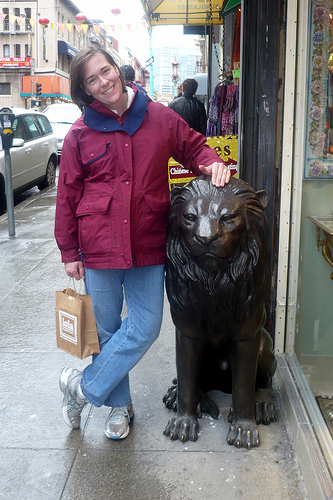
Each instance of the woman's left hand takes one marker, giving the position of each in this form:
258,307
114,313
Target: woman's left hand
219,172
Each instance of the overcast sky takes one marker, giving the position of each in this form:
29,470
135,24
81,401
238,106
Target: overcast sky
131,13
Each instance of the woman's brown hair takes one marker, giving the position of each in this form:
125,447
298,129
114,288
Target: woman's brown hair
76,75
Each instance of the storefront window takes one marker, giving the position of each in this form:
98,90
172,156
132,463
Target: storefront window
314,309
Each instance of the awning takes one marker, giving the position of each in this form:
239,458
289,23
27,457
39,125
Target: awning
52,86
231,5
65,48
184,12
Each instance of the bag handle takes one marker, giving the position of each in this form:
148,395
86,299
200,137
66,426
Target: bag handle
74,287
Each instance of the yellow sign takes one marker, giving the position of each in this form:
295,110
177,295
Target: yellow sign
185,12
227,149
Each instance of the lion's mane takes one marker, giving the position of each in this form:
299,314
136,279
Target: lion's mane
244,284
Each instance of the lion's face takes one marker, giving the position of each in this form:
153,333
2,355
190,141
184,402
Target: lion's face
212,229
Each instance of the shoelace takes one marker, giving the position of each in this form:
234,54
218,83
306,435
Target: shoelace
117,415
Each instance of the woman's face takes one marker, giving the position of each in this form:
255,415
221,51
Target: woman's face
102,82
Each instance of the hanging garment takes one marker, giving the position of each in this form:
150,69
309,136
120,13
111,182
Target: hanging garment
222,93
236,111
213,114
228,113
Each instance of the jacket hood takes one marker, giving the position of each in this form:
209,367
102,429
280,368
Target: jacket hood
101,118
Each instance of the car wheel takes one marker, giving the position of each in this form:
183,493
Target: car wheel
49,178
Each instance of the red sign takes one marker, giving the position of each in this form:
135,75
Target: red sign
177,172
15,62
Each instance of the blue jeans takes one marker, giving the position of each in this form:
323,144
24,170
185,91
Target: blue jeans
123,343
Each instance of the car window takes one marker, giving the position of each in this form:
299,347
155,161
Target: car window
44,124
32,126
18,128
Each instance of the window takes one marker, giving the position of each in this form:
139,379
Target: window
27,19
5,88
27,50
6,20
6,51
44,125
309,337
18,128
32,126
17,50
17,26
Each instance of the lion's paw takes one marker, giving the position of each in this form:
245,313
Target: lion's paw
182,428
243,435
170,398
265,412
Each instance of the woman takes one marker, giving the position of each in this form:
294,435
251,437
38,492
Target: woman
112,205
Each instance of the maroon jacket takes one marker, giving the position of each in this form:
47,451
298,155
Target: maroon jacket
113,191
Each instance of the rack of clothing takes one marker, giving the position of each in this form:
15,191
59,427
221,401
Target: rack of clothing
223,111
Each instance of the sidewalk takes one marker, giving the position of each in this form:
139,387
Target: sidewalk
42,459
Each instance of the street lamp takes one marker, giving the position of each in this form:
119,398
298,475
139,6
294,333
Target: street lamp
175,76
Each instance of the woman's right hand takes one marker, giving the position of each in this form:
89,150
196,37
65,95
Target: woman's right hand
75,269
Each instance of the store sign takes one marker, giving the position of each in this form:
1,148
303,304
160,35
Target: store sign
227,149
15,62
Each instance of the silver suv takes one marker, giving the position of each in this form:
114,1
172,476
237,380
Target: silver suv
33,155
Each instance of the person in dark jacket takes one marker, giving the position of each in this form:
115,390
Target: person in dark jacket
190,108
110,224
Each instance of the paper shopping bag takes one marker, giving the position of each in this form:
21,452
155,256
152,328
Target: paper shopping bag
75,324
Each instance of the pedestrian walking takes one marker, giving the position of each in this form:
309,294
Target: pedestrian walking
110,224
189,107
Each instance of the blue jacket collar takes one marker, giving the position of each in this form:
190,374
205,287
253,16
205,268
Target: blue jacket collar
108,122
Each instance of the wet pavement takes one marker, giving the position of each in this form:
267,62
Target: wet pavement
42,458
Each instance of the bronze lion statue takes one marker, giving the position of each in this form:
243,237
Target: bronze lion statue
217,280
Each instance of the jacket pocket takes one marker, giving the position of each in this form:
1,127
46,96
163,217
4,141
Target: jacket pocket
92,205
93,152
95,225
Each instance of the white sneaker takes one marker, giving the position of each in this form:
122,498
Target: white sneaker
74,401
117,425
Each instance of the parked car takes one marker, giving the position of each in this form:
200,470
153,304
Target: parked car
62,116
33,155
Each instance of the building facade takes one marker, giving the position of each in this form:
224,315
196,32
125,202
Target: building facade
39,39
